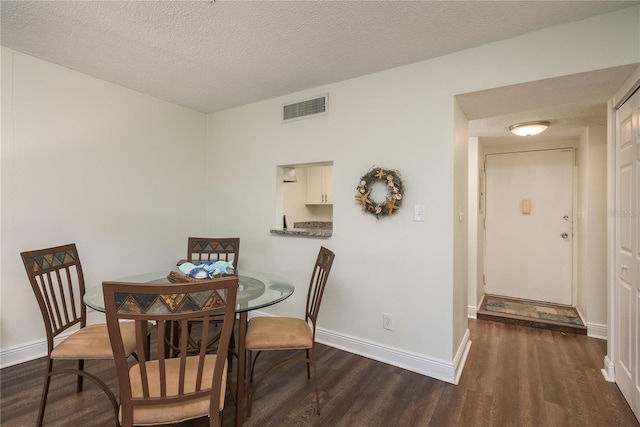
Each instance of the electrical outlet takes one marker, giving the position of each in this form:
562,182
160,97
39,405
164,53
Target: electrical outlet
387,321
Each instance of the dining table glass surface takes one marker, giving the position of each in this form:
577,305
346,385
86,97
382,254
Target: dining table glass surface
256,289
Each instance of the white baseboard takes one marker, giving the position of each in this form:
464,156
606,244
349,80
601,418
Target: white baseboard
596,330
435,368
461,355
26,352
431,367
36,349
608,371
472,312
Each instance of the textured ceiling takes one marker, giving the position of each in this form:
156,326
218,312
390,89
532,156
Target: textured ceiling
570,103
210,56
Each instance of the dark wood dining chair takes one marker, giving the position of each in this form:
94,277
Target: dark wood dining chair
164,390
289,333
215,249
57,280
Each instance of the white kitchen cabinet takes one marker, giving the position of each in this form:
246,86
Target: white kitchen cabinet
320,185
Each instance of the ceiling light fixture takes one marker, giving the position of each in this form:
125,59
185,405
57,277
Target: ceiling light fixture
528,128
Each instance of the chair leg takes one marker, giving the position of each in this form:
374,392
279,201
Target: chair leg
311,365
45,392
80,377
251,387
97,381
215,421
81,373
249,379
315,383
252,364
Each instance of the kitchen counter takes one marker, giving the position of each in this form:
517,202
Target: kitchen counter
309,229
309,232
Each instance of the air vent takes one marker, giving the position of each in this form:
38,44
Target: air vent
305,109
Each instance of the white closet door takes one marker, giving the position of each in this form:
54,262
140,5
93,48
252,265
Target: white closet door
627,287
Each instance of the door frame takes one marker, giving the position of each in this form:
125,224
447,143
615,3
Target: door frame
624,93
560,145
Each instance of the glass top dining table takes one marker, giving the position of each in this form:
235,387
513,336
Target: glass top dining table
256,290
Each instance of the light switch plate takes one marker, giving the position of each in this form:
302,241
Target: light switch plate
418,213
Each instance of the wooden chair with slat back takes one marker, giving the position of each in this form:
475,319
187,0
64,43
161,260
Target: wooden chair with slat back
171,390
57,280
212,249
288,333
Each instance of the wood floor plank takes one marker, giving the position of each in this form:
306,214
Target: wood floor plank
476,410
514,376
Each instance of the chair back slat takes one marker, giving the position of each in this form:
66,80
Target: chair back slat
58,293
46,292
203,350
214,249
319,277
57,281
183,352
71,294
186,376
61,292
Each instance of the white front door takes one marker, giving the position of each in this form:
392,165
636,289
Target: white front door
529,223
627,287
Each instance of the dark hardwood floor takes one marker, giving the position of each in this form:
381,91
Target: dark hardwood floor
514,376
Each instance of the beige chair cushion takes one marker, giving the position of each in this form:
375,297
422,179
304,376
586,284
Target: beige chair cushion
92,342
278,333
175,412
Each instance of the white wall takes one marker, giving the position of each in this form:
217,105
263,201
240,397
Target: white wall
480,255
379,264
117,172
460,344
476,230
592,229
402,119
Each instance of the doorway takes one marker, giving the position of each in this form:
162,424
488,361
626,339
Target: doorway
529,225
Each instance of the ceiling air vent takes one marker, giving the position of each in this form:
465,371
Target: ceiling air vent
305,109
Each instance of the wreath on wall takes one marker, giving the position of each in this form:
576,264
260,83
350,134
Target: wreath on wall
395,191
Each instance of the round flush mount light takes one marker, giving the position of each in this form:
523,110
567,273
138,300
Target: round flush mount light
528,128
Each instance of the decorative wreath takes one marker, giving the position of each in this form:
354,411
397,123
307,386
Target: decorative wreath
395,192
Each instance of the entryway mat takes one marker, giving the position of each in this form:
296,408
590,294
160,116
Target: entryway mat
534,310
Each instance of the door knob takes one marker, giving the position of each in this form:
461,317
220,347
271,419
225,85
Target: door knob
564,235
624,266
